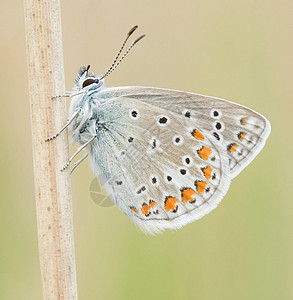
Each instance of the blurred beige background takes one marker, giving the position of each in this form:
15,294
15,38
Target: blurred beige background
237,50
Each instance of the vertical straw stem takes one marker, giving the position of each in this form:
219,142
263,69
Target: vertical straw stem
52,187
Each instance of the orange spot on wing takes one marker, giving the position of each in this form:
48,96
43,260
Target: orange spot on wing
145,209
134,209
243,121
186,194
204,152
200,186
170,204
152,203
197,134
241,136
207,171
232,147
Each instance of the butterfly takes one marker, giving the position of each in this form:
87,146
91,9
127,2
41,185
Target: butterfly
167,157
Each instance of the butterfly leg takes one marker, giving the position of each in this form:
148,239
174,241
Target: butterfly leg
65,126
78,162
77,151
68,94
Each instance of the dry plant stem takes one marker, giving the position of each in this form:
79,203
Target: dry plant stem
52,187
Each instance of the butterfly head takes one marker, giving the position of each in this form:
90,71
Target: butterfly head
87,81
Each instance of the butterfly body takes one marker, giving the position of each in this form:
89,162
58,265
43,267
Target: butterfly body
167,156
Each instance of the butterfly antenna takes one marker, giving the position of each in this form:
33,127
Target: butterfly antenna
115,65
130,32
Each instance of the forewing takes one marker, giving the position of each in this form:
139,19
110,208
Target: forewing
241,131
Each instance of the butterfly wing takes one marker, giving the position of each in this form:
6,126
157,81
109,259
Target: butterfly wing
240,130
162,168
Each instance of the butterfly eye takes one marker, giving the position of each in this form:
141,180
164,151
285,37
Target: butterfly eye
89,81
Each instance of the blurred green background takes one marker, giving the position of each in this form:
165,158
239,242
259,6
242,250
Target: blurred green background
236,50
